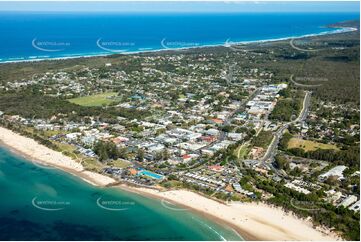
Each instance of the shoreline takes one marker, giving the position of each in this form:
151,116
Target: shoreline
46,158
250,220
227,44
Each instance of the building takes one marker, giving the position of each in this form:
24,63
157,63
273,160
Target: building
336,172
216,168
348,201
297,188
333,196
356,206
237,187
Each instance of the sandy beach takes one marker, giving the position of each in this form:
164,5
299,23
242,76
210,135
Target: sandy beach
44,157
251,220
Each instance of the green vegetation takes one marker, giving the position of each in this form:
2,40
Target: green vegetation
341,218
308,145
34,105
281,162
242,151
349,155
108,151
119,163
287,108
94,100
335,69
263,139
68,150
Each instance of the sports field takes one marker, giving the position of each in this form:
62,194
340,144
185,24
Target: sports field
94,100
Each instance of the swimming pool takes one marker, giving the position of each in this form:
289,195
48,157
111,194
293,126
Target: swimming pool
150,174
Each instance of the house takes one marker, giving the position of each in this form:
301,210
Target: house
189,157
88,140
213,132
191,146
333,196
216,168
119,140
235,136
72,136
256,152
207,152
208,138
217,121
153,148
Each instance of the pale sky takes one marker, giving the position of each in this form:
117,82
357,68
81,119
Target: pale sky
225,6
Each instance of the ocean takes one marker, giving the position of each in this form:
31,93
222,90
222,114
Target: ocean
41,35
39,203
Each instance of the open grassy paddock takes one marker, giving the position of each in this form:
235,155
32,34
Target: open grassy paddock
94,100
309,145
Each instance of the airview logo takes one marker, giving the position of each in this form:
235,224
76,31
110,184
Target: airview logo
49,205
178,44
114,46
233,45
114,205
171,206
49,46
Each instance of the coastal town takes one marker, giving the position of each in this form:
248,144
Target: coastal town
202,121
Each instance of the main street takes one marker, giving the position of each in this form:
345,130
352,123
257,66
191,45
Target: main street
272,148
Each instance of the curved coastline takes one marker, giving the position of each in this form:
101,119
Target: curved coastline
226,43
252,221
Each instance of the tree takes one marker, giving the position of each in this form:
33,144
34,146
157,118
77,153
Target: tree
140,155
281,162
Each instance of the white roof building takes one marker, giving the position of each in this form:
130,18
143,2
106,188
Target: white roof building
214,132
348,201
333,196
191,146
297,188
336,171
155,147
72,136
356,206
235,136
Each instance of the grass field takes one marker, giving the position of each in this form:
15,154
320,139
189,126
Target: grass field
242,151
94,100
309,145
120,163
88,163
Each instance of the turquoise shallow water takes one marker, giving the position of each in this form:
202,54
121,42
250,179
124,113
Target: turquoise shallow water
48,204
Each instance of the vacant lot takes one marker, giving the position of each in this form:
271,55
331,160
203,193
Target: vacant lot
94,100
308,145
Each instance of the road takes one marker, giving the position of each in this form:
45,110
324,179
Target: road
222,135
272,148
228,120
305,108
